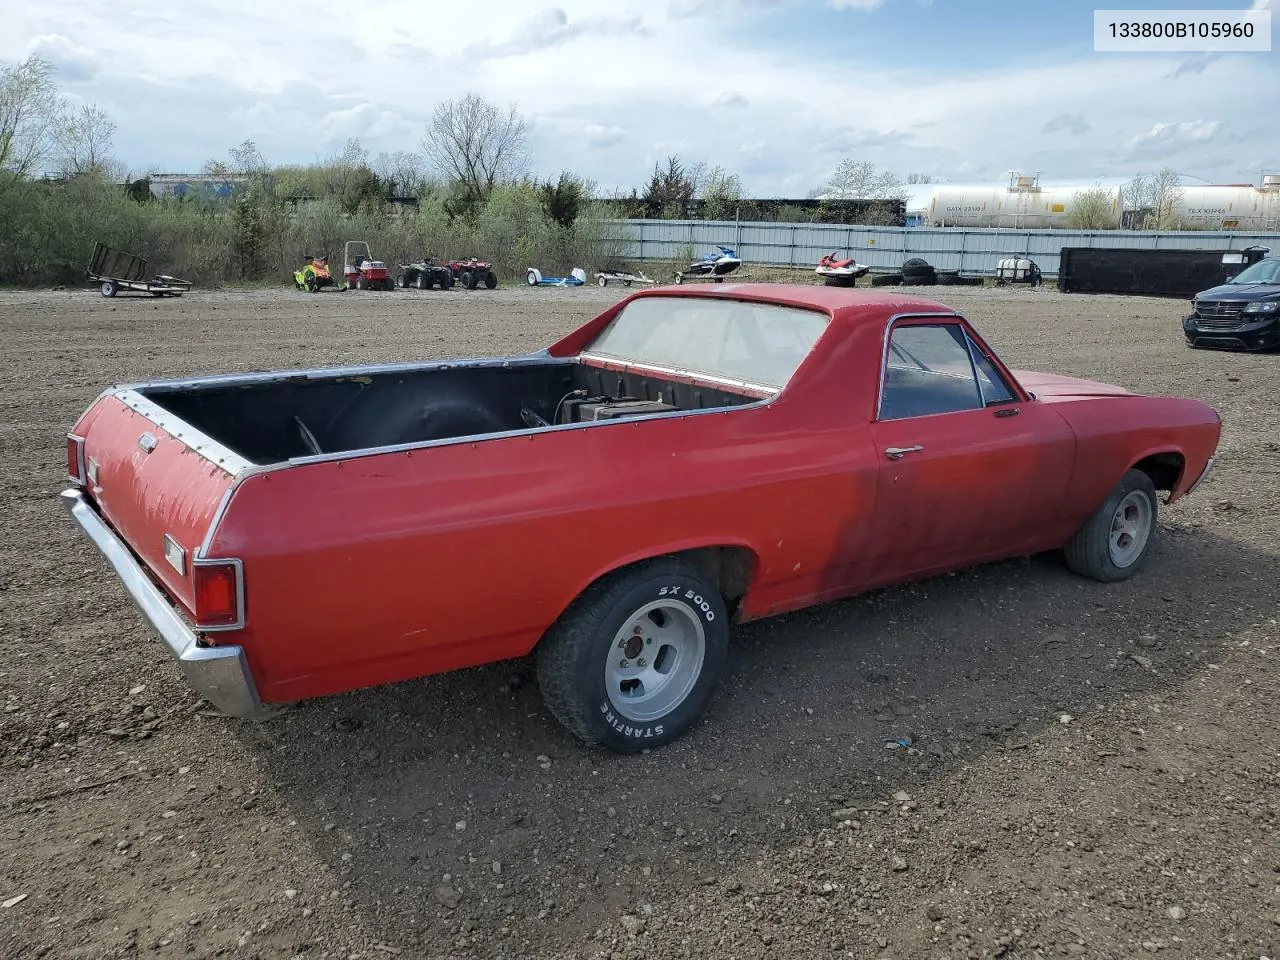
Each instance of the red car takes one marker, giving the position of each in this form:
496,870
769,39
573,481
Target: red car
689,458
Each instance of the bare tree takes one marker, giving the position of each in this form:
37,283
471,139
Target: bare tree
476,144
859,180
31,112
1156,197
404,173
84,142
1092,209
914,178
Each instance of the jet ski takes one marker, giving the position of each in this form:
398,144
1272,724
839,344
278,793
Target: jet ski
713,265
840,273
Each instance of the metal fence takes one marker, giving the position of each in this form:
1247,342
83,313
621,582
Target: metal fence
972,251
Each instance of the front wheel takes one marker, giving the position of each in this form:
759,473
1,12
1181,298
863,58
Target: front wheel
634,661
490,280
1113,543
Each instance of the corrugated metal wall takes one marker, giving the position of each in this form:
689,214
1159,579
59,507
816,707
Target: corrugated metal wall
973,251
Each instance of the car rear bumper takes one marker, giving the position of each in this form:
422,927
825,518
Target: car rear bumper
219,674
1261,334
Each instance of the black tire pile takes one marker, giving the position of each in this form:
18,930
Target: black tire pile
920,273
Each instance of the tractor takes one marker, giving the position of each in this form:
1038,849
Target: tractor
361,271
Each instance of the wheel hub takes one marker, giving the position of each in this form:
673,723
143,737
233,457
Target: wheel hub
1130,529
671,638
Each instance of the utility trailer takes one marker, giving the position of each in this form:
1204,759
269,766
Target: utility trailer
113,271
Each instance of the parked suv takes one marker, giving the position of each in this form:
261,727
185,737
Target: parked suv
1241,314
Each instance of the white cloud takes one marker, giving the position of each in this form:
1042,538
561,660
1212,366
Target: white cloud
610,93
599,135
1163,138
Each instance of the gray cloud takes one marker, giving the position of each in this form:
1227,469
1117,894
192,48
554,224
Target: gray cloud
74,64
731,98
553,28
849,141
599,135
686,9
1071,122
1193,65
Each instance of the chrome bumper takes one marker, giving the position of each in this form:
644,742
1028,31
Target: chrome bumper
219,674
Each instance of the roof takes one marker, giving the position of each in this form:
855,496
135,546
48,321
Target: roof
845,304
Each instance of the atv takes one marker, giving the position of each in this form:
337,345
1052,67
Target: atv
472,272
361,271
315,275
424,274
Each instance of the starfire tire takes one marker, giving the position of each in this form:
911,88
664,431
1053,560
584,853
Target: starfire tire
1115,541
635,659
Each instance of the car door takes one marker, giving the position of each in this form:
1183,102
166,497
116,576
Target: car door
970,466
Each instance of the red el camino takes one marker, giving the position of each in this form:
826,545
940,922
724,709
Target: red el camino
687,459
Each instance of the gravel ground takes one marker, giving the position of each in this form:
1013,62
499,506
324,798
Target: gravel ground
1093,773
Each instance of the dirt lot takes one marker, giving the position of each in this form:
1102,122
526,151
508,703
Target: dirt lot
1094,773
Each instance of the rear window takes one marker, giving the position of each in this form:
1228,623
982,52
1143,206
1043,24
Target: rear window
755,343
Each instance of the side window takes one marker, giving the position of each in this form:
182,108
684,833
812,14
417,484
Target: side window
928,371
994,388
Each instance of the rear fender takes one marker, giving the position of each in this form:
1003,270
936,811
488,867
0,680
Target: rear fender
737,582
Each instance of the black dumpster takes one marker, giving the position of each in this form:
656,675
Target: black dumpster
1150,273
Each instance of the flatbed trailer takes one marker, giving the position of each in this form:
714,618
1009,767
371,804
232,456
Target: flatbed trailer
114,270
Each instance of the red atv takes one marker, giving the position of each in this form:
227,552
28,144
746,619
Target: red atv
361,271
471,273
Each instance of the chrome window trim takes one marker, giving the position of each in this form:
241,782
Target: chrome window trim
239,575
884,348
974,353
675,372
973,367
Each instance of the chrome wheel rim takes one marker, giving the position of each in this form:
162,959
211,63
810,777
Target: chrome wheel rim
655,660
1130,529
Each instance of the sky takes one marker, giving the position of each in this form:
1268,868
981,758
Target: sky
776,91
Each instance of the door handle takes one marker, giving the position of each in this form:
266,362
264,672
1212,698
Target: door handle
897,453
1007,412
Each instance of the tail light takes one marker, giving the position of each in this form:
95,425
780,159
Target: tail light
75,459
219,594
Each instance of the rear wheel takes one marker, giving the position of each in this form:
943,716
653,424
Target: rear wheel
109,288
422,282
634,661
1113,543
400,279
468,280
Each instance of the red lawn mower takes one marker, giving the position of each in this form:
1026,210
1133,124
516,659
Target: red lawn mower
361,271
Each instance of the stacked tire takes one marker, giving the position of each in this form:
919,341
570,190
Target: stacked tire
918,273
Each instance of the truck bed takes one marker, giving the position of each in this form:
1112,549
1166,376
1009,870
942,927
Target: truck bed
276,418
